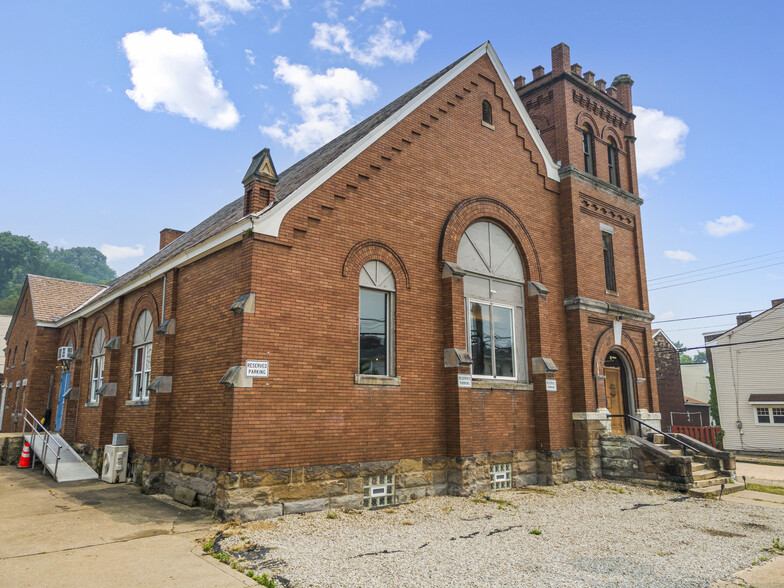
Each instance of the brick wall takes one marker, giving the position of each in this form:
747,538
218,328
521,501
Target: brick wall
668,380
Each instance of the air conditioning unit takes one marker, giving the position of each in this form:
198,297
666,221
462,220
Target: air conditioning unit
115,463
64,353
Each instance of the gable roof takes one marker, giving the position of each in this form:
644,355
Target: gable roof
53,298
656,332
737,328
299,180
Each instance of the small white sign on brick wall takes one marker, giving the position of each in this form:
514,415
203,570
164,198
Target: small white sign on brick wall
257,369
463,380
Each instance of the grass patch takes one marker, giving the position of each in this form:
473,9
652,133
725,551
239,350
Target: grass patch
768,489
332,515
207,547
501,503
534,532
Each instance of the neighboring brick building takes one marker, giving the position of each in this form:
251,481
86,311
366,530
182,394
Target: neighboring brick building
668,381
436,239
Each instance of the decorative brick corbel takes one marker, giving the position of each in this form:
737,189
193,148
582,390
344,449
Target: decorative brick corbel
235,378
161,385
537,289
543,365
456,357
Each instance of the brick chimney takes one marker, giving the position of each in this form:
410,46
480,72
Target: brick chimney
560,57
776,302
538,71
623,83
577,70
743,318
169,235
519,82
588,77
601,85
259,182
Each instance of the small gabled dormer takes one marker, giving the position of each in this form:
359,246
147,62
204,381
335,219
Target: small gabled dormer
259,182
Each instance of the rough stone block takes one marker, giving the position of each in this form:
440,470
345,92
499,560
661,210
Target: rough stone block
409,465
348,501
256,513
303,506
415,479
307,490
377,468
184,495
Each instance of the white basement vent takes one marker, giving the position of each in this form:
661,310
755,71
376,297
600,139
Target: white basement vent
379,491
500,476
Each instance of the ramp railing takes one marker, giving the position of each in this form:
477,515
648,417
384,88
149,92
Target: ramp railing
47,442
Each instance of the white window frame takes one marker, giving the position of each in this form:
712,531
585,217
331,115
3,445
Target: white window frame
96,380
491,304
371,280
141,373
769,410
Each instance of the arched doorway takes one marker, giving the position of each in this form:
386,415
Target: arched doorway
619,392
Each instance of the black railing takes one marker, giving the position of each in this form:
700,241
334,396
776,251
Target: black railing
666,436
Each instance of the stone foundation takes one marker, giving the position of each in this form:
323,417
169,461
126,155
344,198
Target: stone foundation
265,494
588,430
634,460
10,448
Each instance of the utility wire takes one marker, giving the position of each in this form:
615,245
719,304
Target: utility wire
714,277
715,266
682,349
694,318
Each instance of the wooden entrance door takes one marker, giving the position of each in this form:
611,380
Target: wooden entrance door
614,391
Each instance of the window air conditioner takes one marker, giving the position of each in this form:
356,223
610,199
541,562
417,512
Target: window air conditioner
64,353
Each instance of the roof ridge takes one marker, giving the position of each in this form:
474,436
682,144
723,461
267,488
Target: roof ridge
67,280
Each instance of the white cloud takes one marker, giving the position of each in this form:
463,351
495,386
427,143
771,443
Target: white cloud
368,4
665,316
323,102
679,255
726,225
259,87
385,43
116,252
250,57
173,71
214,14
660,140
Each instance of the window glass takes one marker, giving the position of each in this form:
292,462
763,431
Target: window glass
612,160
487,112
609,262
590,165
762,415
503,337
778,415
481,349
476,287
373,310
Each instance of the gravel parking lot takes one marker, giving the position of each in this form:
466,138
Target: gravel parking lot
580,534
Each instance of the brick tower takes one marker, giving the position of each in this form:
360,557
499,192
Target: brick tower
589,130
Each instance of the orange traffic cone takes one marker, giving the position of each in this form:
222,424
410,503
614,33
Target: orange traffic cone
24,460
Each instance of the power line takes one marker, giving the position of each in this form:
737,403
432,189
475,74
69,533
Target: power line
730,344
715,266
694,318
714,277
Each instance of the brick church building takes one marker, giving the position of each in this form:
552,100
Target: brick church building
449,297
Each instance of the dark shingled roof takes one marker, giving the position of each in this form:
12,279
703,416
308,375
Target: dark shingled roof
766,398
289,180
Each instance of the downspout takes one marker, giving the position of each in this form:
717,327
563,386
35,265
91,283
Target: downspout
163,303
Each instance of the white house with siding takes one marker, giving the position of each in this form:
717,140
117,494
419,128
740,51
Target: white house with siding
748,364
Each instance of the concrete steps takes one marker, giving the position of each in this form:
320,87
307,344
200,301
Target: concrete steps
715,491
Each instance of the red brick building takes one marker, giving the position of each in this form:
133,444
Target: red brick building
449,297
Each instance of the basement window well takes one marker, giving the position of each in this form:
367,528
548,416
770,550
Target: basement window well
379,491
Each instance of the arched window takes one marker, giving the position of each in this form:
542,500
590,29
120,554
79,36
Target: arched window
142,357
487,113
98,355
612,162
588,153
376,319
24,357
493,287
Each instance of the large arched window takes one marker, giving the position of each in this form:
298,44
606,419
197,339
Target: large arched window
612,162
493,287
487,113
588,152
142,357
376,319
98,355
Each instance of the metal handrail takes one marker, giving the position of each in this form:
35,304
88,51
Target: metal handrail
43,433
670,437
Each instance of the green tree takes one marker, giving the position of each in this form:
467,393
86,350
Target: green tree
700,357
20,256
713,401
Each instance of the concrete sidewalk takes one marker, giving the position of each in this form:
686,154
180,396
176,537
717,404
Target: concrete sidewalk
95,534
759,473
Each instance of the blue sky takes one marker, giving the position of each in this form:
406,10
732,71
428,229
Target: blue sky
119,119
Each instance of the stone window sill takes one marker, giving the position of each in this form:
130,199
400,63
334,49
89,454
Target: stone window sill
91,405
488,125
368,380
137,403
611,292
500,385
